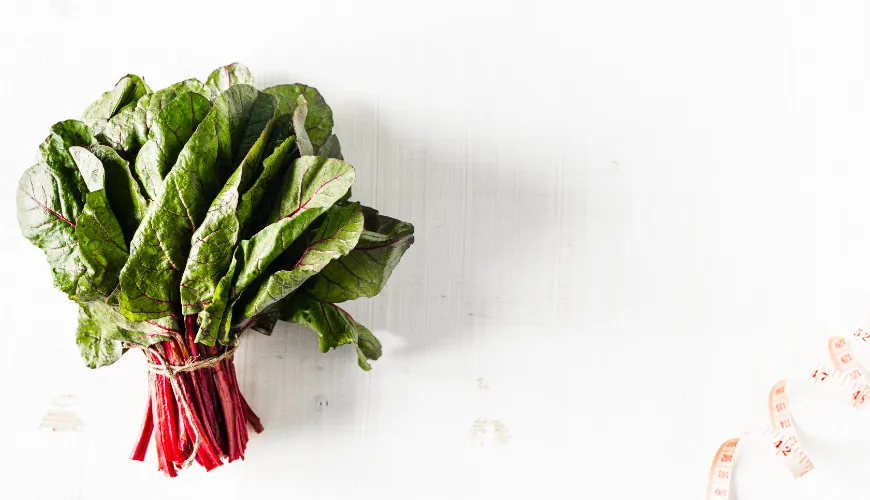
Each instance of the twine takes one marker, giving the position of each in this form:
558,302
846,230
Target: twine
171,371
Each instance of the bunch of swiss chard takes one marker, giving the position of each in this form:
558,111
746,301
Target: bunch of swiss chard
178,218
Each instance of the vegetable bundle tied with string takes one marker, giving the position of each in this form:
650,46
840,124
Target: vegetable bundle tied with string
177,219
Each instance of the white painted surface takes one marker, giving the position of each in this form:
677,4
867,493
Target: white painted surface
633,217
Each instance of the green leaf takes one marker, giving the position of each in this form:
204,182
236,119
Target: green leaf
107,314
266,323
273,168
96,346
101,240
54,151
128,90
209,260
46,217
173,128
150,279
310,188
336,236
318,122
365,270
334,327
302,140
229,75
125,198
128,130
331,148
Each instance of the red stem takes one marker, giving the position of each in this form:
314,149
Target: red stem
145,436
252,417
219,413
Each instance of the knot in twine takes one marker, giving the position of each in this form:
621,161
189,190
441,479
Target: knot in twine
171,371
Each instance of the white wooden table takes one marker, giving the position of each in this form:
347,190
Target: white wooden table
632,217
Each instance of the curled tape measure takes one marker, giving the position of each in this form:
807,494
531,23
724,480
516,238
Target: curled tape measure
845,374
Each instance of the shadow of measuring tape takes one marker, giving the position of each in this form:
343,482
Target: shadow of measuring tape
845,374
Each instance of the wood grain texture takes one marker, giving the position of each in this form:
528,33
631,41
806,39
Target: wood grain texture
614,201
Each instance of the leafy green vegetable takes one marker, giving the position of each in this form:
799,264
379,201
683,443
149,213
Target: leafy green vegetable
318,120
366,269
174,126
312,186
229,75
150,280
336,236
128,90
205,205
334,327
46,211
101,240
95,345
178,218
129,129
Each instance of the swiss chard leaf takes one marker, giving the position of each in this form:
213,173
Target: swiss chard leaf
212,314
125,198
310,188
365,270
208,260
331,148
173,128
97,347
46,215
101,241
302,140
54,151
318,121
128,90
334,327
128,130
229,75
150,279
336,236
103,330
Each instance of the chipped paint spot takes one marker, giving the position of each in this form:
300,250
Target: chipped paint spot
490,430
61,420
61,417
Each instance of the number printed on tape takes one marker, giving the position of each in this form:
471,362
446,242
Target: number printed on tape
846,373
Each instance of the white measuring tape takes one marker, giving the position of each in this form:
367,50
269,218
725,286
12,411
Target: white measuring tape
845,373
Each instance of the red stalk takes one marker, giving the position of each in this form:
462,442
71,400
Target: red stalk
145,436
218,413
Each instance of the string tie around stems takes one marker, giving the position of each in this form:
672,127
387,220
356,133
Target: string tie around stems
171,371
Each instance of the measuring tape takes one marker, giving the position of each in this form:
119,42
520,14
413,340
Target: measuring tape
846,373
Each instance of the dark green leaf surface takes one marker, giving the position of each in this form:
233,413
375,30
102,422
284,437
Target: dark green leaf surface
212,314
336,236
229,75
101,241
173,128
209,259
125,198
149,281
365,270
46,218
128,130
318,122
128,90
310,188
334,327
54,151
331,148
208,201
95,345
